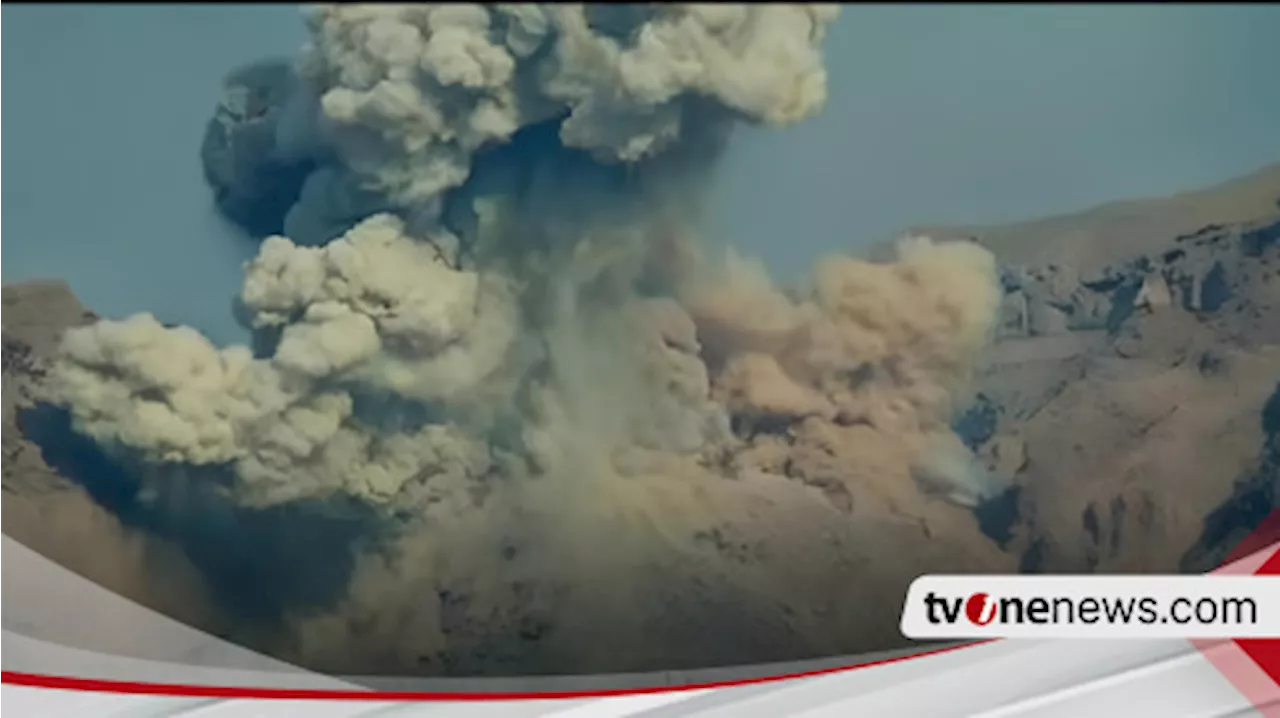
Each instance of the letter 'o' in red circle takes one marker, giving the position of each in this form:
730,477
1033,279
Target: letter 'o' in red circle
976,609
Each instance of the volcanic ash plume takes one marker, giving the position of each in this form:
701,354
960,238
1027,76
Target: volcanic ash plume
412,93
524,364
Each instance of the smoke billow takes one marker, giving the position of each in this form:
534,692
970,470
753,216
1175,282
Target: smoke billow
584,429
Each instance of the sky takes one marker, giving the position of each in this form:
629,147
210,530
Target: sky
937,115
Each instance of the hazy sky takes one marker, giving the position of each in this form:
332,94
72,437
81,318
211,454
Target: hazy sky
938,114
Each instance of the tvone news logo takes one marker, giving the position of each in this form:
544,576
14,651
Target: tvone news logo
979,608
982,609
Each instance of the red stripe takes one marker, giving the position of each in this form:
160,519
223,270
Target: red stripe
1263,535
1266,651
196,691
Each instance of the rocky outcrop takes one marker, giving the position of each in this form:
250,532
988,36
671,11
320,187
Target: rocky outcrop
1198,272
1123,396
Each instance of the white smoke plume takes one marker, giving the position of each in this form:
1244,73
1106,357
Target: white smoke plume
520,356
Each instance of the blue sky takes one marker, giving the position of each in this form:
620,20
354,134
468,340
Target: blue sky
937,114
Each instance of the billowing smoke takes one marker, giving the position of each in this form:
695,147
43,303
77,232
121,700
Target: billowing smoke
410,94
497,330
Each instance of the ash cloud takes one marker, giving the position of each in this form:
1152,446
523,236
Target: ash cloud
254,154
497,328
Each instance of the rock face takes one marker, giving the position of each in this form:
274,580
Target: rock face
1125,395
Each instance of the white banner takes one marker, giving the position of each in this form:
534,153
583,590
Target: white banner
170,669
1215,606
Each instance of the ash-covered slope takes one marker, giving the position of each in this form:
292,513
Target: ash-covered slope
44,507
796,548
1125,397
1133,413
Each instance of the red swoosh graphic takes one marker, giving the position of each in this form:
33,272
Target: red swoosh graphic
197,691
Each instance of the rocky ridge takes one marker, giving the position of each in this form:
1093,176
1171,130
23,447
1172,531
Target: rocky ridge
1124,398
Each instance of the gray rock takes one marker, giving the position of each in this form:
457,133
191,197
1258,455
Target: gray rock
1089,311
1013,315
1012,278
1045,320
1154,294
1123,304
1059,282
979,422
1215,289
1256,238
1105,279
1185,288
